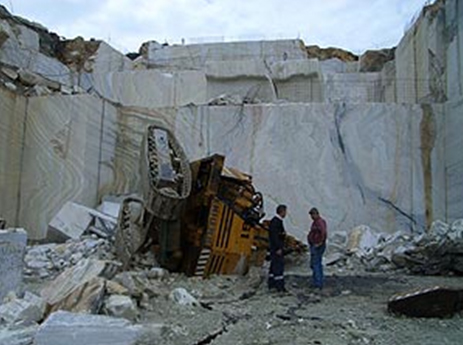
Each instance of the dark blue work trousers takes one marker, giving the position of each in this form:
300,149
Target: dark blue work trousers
276,278
316,257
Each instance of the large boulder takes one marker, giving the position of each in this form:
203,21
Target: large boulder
76,329
121,306
28,310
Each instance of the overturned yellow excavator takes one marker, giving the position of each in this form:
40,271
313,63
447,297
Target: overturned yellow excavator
200,218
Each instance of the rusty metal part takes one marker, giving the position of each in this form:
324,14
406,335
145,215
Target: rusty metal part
436,301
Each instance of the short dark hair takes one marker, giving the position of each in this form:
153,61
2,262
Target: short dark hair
313,210
281,208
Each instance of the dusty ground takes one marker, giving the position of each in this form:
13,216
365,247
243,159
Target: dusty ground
240,310
350,310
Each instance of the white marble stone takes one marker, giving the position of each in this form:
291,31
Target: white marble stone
27,310
60,159
152,88
359,163
69,328
107,59
69,223
352,87
121,306
21,50
12,249
291,80
18,336
454,160
196,55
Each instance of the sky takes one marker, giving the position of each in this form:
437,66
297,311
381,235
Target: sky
355,25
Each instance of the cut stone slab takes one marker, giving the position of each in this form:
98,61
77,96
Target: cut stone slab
110,208
22,336
121,306
12,248
76,329
27,310
75,277
70,222
432,302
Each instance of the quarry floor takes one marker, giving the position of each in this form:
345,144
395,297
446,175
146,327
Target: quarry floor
350,310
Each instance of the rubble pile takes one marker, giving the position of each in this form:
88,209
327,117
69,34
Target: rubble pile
48,260
439,251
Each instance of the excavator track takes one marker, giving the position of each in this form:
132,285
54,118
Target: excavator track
165,172
131,229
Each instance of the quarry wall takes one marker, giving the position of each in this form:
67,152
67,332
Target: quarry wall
374,147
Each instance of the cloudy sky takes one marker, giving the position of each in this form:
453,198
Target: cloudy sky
355,25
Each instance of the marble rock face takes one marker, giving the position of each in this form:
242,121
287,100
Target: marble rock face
152,88
61,158
12,110
12,248
21,50
195,55
358,163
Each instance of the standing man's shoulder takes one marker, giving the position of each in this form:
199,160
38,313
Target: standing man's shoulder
323,221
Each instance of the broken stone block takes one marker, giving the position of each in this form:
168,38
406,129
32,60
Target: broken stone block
362,239
10,86
76,329
157,273
38,90
30,78
110,208
72,279
21,336
183,297
12,248
27,310
456,230
10,73
70,222
121,306
87,298
439,229
65,90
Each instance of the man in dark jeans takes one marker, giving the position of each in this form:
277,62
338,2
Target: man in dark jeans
276,279
317,242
